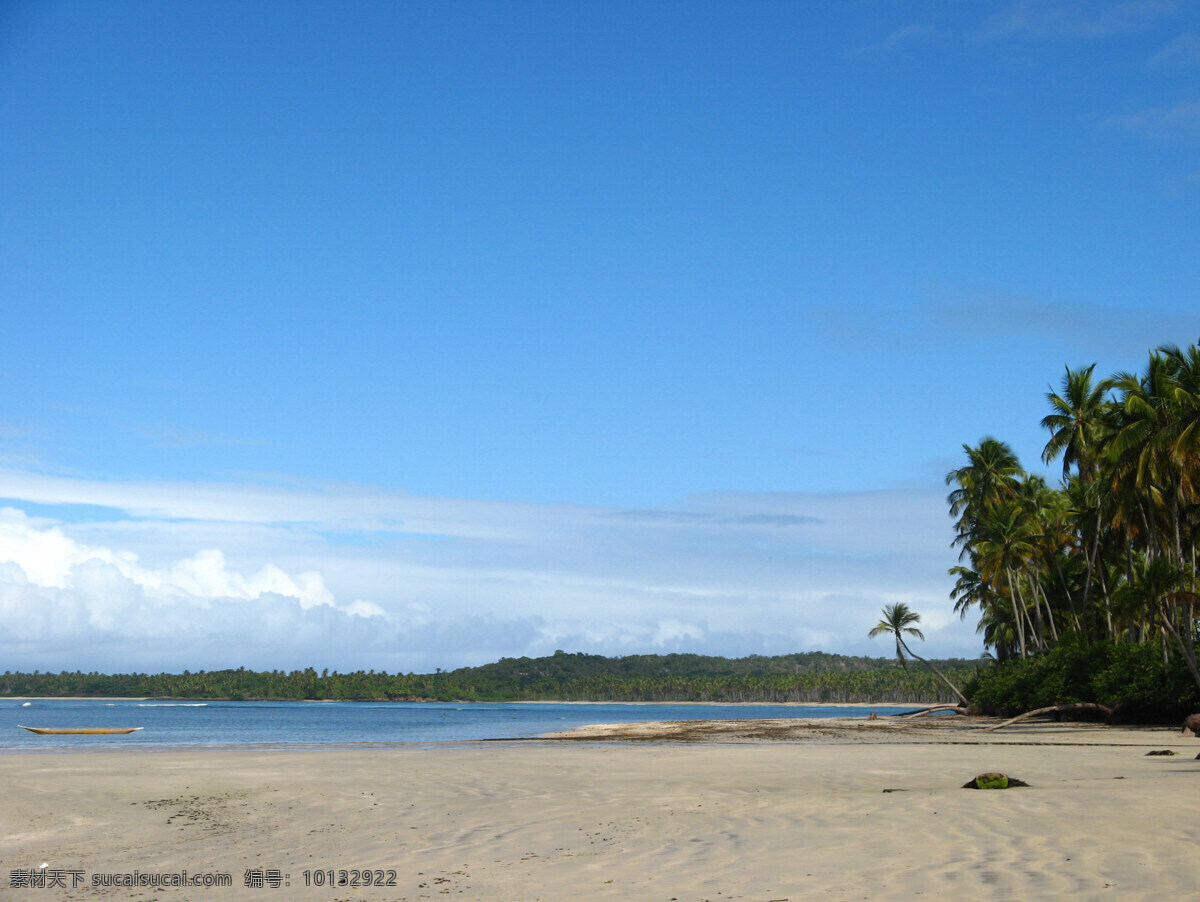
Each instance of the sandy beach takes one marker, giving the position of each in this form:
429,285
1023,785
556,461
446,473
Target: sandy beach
724,810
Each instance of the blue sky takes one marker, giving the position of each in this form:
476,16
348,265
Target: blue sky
404,335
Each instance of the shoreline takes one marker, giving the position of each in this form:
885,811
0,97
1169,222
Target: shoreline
727,704
430,701
937,729
847,810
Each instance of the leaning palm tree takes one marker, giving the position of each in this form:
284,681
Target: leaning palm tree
899,620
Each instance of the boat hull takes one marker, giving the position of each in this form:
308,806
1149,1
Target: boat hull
73,731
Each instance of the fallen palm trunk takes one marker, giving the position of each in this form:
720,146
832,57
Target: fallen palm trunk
933,709
1056,709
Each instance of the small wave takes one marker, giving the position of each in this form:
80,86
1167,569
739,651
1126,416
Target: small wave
175,705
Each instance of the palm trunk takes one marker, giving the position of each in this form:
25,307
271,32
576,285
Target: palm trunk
1176,537
1017,613
1087,583
1188,649
1049,611
1074,614
941,675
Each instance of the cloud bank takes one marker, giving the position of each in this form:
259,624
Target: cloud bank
110,576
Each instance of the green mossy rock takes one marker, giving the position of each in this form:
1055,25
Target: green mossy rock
993,781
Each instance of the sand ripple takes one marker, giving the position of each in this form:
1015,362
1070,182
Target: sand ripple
666,820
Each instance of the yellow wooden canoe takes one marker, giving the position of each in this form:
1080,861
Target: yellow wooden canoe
57,731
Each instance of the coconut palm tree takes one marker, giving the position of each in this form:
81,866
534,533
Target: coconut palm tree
1004,555
1078,422
1161,591
990,478
898,620
1184,438
970,589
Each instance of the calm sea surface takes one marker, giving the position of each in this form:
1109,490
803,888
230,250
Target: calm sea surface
294,724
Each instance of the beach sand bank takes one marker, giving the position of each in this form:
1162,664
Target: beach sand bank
840,810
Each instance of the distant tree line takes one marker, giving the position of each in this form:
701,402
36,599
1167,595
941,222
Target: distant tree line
810,677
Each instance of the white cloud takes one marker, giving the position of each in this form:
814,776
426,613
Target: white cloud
205,574
47,557
669,631
1087,19
354,577
909,34
1184,50
360,608
1163,122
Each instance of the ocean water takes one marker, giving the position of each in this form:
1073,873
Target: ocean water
298,724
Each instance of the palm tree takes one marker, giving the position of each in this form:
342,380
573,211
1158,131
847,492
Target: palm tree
1078,421
1162,591
970,589
991,478
1003,555
995,624
899,620
1184,439
1089,508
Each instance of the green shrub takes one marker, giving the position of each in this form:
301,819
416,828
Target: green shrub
1131,679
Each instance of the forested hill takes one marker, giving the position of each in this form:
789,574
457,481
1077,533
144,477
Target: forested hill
802,677
564,666
806,677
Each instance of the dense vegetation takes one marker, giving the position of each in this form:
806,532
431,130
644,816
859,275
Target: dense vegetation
1130,678
1089,590
811,677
